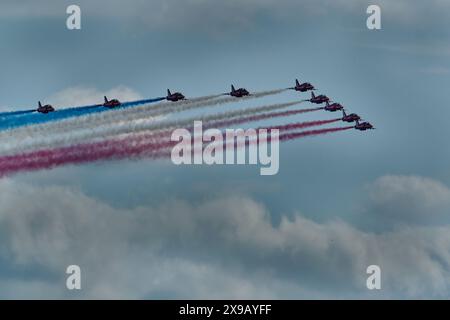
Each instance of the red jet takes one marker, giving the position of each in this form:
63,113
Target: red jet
303,87
174,96
239,93
44,109
111,103
318,99
333,107
363,126
350,117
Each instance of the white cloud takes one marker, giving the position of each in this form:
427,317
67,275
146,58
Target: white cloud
79,96
425,190
409,199
221,248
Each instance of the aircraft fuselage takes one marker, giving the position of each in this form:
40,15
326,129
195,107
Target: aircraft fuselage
239,93
334,107
319,99
112,103
45,109
175,97
351,118
304,87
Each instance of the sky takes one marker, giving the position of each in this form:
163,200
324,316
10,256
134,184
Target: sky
146,229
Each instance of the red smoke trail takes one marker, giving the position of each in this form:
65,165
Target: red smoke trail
282,137
296,135
163,134
302,125
74,155
259,117
113,150
239,120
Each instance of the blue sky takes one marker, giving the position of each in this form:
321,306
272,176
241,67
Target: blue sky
387,190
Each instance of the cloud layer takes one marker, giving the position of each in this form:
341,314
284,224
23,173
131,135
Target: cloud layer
408,200
189,250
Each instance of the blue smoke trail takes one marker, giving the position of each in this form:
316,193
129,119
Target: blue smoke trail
22,118
15,113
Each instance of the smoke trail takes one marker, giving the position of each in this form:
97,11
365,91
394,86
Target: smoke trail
302,125
37,118
296,135
80,108
162,137
232,122
15,113
139,112
30,143
166,108
123,105
86,116
47,159
109,150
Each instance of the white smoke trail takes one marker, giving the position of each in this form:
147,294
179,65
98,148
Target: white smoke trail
29,143
62,125
91,121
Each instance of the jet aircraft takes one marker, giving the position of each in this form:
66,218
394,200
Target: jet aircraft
239,93
174,96
44,109
363,126
302,87
350,117
111,103
333,107
318,99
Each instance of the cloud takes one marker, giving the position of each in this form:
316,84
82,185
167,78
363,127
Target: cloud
408,200
79,96
232,13
188,250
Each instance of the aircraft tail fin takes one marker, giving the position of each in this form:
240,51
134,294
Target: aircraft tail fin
39,104
343,112
106,99
168,92
313,95
297,83
232,88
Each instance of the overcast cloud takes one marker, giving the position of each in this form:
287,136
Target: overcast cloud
187,250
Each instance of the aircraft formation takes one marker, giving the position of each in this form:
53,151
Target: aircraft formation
242,92
333,107
37,138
